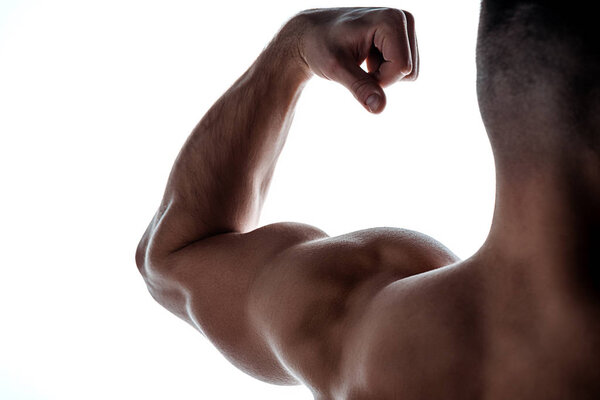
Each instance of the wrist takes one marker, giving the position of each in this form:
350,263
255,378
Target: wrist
286,49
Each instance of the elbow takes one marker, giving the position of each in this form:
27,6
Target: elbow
150,260
140,254
140,258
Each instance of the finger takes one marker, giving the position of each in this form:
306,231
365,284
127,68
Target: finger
363,86
412,37
392,40
374,60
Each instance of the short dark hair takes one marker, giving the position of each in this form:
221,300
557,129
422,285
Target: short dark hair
531,51
573,19
539,37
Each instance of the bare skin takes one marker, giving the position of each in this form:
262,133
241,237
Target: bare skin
382,313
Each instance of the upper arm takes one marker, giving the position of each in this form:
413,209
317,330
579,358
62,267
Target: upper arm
208,283
279,301
314,296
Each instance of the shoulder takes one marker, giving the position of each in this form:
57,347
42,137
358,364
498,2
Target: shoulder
312,295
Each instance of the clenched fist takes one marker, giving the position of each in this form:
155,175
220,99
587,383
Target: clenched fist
333,43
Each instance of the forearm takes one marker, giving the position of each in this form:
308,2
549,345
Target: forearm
222,174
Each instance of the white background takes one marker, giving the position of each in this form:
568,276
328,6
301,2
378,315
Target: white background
96,99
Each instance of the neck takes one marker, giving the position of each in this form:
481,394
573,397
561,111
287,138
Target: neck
547,219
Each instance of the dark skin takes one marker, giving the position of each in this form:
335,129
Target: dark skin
381,313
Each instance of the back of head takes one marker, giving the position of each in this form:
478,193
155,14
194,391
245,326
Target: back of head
538,66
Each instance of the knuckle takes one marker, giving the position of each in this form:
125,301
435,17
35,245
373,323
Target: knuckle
413,75
394,16
360,87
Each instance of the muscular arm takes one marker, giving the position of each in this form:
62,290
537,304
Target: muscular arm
202,256
221,176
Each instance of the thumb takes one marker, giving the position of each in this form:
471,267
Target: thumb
363,86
